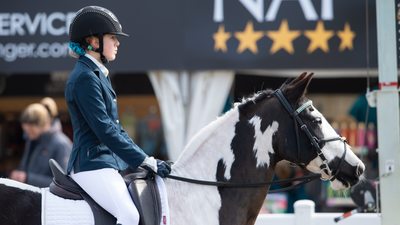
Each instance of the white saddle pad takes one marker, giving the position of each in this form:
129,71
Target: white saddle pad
60,211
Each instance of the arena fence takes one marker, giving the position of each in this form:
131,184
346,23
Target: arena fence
304,214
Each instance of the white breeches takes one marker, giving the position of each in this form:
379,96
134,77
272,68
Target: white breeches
107,187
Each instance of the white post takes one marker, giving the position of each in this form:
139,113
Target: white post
304,211
388,113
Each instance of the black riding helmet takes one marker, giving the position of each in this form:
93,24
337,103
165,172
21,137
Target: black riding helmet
94,21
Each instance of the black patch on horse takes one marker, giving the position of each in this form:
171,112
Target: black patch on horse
24,207
242,146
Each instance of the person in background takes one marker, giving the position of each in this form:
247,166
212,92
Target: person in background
42,144
102,148
360,111
52,108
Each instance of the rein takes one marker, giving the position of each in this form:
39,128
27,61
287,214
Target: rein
225,184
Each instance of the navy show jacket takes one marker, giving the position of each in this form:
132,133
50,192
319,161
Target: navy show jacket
99,141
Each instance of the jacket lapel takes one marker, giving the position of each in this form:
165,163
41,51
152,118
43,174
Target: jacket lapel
95,69
106,81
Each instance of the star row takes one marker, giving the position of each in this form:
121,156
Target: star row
283,38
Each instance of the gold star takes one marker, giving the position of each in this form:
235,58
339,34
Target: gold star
283,38
248,38
220,39
346,38
319,38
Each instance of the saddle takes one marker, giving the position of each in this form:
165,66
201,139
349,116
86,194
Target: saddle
141,185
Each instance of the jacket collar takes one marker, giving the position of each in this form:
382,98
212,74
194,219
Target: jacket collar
98,64
85,60
92,66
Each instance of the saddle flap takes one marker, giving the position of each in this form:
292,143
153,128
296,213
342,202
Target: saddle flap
63,185
141,184
145,195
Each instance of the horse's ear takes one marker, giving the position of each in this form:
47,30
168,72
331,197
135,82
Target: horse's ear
298,87
291,81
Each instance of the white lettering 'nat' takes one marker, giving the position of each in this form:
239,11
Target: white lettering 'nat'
256,9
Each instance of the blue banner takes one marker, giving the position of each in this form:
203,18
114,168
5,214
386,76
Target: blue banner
197,35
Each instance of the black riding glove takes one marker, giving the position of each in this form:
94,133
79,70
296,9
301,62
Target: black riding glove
163,168
158,167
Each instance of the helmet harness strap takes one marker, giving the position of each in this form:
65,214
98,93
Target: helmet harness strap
100,49
103,59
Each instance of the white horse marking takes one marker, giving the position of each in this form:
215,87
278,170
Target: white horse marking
16,184
331,150
200,160
335,148
263,141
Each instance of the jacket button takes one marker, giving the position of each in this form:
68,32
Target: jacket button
115,100
117,121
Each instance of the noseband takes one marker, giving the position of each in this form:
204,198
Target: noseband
315,142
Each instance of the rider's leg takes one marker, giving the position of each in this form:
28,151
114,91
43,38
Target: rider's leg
108,189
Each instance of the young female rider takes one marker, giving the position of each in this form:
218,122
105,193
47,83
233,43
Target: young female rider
101,147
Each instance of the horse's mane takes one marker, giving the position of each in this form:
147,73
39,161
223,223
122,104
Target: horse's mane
201,136
254,99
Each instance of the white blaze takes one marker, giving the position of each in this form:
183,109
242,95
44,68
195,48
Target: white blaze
263,141
331,150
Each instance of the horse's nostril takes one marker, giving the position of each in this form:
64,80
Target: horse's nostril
360,169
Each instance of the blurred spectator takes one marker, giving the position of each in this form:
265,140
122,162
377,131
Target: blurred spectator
52,108
42,143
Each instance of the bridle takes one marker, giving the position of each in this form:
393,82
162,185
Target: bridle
315,142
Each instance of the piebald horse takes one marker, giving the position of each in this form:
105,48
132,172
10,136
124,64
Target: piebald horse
241,146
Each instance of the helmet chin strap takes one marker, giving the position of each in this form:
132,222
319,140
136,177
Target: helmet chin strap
103,59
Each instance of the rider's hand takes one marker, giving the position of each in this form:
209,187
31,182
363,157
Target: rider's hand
156,166
163,168
150,164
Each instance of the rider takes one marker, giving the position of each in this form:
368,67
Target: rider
101,147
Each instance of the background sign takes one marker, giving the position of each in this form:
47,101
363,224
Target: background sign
196,35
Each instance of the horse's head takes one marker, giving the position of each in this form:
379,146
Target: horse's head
306,138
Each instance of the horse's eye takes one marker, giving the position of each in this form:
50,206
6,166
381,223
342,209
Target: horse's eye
317,120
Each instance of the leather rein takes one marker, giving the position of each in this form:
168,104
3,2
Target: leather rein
315,142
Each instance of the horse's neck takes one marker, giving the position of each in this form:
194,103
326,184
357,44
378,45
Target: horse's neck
213,143
209,151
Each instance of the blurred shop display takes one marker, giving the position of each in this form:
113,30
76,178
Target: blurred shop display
363,139
146,131
275,203
128,121
150,134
